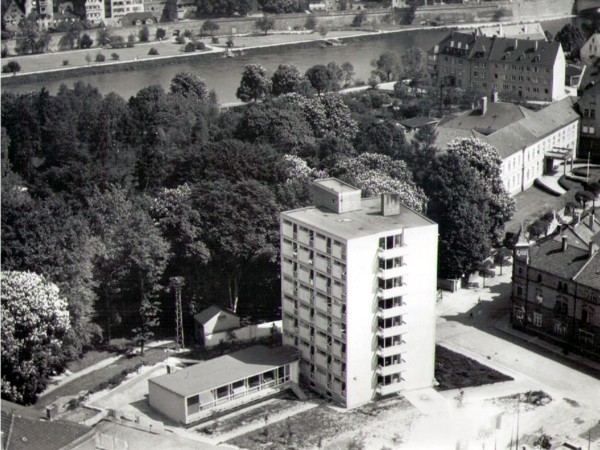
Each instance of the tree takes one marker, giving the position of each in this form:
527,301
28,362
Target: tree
385,137
323,30
388,65
571,40
71,37
227,208
255,84
85,41
458,204
148,315
210,27
189,84
265,24
161,33
487,162
286,79
35,321
311,23
103,37
27,38
130,41
359,19
414,67
11,67
280,6
376,174
222,8
144,34
319,78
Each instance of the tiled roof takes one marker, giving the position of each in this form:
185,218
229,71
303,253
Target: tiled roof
26,433
590,275
508,128
549,257
226,369
207,314
416,122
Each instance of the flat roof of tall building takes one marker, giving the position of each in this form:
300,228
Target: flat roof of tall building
335,185
359,223
225,369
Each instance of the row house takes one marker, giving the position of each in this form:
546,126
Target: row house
358,293
589,99
530,143
528,69
556,288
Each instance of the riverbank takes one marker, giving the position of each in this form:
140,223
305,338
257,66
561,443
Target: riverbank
49,67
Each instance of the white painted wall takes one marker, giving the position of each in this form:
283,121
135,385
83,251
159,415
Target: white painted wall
166,402
247,333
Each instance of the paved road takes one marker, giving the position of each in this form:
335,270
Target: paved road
479,338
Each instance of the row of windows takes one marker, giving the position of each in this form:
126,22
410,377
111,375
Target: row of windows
559,327
588,313
591,113
588,130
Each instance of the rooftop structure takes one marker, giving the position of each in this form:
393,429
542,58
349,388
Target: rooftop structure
521,30
194,393
358,293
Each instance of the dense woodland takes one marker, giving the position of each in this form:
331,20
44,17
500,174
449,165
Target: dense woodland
108,198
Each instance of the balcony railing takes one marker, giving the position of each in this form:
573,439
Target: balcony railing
395,330
388,389
386,313
390,370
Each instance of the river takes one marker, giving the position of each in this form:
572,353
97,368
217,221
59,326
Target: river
223,74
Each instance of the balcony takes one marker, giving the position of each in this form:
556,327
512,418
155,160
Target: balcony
392,292
391,331
386,313
394,252
389,388
394,272
389,370
392,350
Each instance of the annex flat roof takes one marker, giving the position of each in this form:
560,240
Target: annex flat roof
365,221
225,369
335,185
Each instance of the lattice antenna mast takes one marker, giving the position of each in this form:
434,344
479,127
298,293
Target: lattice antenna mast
176,284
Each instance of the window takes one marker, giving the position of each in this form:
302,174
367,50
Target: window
193,404
561,306
537,319
519,313
390,263
560,328
586,338
389,242
519,291
539,278
586,113
390,283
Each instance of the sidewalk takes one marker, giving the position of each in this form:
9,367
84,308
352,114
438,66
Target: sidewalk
504,325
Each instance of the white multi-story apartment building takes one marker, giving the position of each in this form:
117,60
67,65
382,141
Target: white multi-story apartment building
358,293
119,8
94,11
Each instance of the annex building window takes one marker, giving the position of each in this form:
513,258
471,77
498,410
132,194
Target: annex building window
537,319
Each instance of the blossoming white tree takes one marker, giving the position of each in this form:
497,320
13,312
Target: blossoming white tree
35,320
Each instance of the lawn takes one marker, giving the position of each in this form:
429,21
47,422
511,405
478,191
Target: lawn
102,378
89,359
530,204
455,371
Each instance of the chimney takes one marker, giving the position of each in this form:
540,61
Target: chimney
564,243
593,248
591,223
483,105
51,412
390,204
577,218
516,43
495,96
536,45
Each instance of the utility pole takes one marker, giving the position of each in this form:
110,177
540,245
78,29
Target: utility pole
518,411
176,284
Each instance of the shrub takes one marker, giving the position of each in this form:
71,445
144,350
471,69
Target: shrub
4,52
161,33
153,51
187,33
117,41
311,23
144,34
131,41
114,56
100,57
359,19
179,40
200,46
230,43
65,62
323,30
86,41
11,67
189,47
215,40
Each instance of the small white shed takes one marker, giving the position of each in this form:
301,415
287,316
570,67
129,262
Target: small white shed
211,323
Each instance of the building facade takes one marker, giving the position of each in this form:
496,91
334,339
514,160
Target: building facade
530,143
94,11
589,99
556,290
528,69
119,8
591,49
358,293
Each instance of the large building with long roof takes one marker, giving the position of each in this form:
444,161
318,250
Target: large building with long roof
524,68
556,287
530,143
